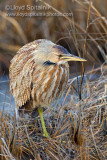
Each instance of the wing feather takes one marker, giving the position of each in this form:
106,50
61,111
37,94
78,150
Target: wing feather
20,73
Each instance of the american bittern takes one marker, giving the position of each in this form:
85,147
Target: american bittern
39,73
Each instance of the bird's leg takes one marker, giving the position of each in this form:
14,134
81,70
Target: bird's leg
40,111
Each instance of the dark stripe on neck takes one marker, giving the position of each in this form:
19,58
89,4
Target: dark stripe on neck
48,63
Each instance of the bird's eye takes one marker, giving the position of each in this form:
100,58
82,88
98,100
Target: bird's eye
60,56
48,63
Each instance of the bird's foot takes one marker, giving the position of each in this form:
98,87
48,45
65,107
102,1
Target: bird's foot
45,134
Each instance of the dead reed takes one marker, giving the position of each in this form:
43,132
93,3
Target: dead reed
21,137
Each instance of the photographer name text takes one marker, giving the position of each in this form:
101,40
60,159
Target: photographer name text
27,7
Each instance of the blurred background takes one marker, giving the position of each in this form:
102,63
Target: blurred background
82,22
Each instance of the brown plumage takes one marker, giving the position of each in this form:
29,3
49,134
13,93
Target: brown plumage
39,73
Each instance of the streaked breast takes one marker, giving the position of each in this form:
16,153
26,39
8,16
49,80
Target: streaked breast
49,84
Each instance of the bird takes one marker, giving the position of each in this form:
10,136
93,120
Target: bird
39,74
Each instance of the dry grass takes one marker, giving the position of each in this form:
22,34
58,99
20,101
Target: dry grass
78,125
21,137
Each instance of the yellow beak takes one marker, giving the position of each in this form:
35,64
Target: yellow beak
70,57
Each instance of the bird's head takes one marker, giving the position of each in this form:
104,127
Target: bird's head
50,53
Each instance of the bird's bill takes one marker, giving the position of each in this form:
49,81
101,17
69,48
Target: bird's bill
70,57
